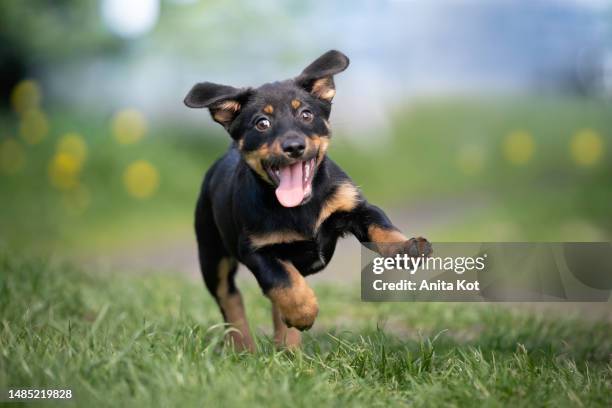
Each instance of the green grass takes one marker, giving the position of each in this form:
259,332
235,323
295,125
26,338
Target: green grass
129,339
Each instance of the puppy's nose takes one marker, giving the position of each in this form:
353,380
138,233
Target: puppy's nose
293,147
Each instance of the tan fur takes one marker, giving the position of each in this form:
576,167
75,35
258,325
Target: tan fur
323,144
391,241
284,336
381,235
324,88
277,237
295,104
233,308
254,159
269,109
276,148
345,198
230,105
296,303
225,111
319,143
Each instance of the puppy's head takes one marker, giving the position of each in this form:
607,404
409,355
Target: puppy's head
281,128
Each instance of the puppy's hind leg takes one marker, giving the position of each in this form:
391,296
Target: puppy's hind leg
218,270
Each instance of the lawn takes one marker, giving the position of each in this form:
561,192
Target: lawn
155,340
508,168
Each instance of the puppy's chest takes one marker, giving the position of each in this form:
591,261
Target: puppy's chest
309,252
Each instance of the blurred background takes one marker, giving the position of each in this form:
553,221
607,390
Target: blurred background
472,120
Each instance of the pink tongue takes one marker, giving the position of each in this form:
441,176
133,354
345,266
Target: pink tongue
290,191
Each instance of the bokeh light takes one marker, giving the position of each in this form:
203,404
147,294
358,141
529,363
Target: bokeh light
34,126
141,179
129,126
519,147
586,147
26,95
470,159
74,145
64,170
12,156
130,18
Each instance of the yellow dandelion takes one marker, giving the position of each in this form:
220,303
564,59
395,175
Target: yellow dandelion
25,96
470,159
64,170
586,147
34,126
519,147
73,144
141,179
77,200
129,126
12,156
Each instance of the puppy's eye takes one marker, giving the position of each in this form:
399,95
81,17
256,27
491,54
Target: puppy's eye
263,124
306,116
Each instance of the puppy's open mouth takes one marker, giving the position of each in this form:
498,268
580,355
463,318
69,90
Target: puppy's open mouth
293,181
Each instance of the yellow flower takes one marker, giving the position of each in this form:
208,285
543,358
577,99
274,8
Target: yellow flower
141,179
128,126
586,147
12,157
34,126
64,170
25,96
74,145
519,147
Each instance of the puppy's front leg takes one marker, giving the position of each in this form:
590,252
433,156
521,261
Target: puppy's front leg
370,224
286,288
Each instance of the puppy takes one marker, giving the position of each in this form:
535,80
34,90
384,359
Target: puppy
276,203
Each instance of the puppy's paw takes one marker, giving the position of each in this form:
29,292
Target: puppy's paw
301,317
419,246
297,305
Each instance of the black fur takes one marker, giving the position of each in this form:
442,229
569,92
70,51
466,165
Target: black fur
237,200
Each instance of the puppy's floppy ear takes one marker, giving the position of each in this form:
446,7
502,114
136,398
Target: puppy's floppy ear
224,102
318,77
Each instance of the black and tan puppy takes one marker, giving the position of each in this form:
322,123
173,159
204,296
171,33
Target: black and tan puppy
275,202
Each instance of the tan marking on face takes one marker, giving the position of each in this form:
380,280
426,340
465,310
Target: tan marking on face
284,336
276,148
269,109
233,308
254,159
295,104
324,88
322,149
320,144
276,237
296,303
345,198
